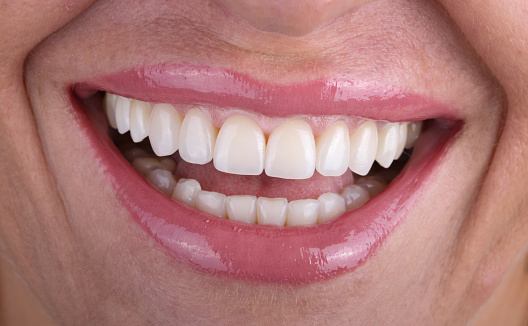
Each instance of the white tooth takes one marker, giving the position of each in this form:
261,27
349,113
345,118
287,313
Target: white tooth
163,180
197,138
363,148
211,202
402,138
271,211
145,164
110,101
240,147
186,190
290,153
387,144
123,114
164,133
242,208
373,185
414,129
333,150
330,205
139,120
354,197
302,212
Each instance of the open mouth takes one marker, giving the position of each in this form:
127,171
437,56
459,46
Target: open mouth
288,183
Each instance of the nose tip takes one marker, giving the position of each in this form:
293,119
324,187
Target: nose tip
290,17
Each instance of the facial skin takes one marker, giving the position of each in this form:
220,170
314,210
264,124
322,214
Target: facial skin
74,246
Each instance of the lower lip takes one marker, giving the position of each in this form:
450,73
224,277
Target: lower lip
269,254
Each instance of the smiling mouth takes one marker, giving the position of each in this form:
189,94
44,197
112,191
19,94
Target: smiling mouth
291,183
290,151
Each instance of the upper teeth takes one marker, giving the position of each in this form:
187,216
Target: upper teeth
240,146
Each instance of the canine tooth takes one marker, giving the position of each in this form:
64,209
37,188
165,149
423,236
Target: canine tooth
211,202
387,144
290,153
163,180
110,101
139,120
373,185
333,150
122,108
354,197
164,133
197,138
302,212
145,164
402,139
186,190
242,208
363,148
240,147
271,211
414,129
330,205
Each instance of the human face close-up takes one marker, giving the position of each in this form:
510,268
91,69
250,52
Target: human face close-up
263,162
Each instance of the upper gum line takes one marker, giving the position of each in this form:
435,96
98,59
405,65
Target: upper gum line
318,124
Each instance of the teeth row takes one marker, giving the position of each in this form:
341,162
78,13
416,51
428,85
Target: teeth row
240,146
250,209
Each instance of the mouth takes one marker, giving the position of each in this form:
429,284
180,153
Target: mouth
291,183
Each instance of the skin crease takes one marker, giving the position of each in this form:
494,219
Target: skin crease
88,264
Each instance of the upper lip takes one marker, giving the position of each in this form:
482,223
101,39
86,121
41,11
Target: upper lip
342,95
293,255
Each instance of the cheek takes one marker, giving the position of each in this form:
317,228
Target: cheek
31,21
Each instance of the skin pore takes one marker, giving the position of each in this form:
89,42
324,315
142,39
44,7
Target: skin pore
458,258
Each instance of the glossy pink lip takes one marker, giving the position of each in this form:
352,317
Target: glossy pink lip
294,255
218,87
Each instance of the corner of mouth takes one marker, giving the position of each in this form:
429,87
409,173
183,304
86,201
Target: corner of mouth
241,248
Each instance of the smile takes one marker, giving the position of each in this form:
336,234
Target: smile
274,183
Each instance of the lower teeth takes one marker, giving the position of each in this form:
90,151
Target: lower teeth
159,172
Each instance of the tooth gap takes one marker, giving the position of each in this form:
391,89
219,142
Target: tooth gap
196,140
